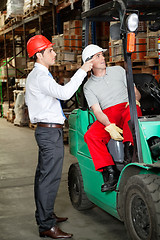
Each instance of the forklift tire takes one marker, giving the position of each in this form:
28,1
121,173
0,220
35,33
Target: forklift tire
76,189
142,207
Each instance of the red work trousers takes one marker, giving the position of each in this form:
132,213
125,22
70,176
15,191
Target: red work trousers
97,137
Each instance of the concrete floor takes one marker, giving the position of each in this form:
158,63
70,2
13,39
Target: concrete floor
18,159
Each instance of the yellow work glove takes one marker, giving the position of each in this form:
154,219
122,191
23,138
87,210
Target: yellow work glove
114,132
137,103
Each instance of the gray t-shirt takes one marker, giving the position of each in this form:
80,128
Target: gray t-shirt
108,90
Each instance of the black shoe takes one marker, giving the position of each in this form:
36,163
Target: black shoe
55,233
110,183
128,153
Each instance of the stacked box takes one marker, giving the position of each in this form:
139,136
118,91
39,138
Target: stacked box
72,27
152,43
76,42
115,51
58,46
66,42
69,56
66,27
72,42
59,56
140,47
58,40
14,7
72,35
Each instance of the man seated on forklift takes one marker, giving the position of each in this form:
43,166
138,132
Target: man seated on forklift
106,94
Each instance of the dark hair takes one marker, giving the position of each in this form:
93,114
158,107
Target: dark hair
35,55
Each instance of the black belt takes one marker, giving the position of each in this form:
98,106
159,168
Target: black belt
50,125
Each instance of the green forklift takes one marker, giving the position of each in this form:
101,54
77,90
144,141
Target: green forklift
136,199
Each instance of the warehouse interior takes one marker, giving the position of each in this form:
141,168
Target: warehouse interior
60,21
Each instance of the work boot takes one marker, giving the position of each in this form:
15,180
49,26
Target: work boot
128,153
110,177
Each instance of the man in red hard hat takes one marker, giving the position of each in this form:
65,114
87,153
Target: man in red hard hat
43,95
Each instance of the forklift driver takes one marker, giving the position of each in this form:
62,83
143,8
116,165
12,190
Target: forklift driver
106,94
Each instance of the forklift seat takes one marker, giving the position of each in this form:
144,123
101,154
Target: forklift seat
150,93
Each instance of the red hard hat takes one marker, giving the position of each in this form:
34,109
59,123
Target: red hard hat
37,43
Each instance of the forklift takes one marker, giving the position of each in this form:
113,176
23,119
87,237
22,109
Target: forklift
136,199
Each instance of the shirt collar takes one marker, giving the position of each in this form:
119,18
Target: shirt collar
95,78
42,67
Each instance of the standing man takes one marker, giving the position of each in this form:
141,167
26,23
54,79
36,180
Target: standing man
106,94
43,95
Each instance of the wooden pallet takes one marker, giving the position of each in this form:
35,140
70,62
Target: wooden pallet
116,63
31,11
13,19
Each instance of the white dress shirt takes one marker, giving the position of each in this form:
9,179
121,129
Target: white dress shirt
43,92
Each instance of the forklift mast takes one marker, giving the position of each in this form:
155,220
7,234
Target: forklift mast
119,10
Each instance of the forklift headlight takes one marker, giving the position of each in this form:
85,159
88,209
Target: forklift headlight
132,22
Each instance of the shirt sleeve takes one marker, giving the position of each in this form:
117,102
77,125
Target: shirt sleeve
90,96
50,87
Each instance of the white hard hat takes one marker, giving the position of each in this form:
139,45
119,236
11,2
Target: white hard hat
91,50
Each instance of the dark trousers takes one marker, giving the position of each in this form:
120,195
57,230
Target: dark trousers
48,174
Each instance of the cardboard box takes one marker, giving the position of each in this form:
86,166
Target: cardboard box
140,47
59,55
58,40
14,7
152,46
76,27
72,27
66,28
152,43
116,51
76,31
69,56
76,42
75,24
66,42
